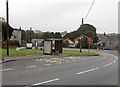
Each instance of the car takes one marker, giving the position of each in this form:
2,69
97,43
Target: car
107,48
29,46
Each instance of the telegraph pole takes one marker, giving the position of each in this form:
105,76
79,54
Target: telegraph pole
7,28
81,36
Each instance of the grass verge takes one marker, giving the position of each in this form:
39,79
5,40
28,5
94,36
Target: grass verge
71,52
13,52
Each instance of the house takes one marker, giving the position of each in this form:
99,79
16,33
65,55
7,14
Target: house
78,38
16,35
108,40
71,43
38,42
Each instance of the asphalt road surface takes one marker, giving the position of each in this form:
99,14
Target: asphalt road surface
71,70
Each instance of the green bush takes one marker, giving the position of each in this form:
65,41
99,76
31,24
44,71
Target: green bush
3,44
14,43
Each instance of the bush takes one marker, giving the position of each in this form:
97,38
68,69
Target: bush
14,43
3,44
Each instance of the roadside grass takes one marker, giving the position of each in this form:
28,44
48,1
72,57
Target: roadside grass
22,52
71,52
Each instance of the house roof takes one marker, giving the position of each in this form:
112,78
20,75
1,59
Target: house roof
68,40
81,36
17,29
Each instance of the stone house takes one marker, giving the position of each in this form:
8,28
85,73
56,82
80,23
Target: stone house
108,40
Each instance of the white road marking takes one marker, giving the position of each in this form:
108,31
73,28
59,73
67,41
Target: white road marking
114,61
30,67
108,64
116,57
46,64
7,69
45,82
87,71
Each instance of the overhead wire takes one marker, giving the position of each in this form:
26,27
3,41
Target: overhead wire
89,10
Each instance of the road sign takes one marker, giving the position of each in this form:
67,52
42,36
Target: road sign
90,41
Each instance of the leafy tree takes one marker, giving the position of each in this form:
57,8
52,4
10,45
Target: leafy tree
57,35
36,36
52,34
82,41
29,35
66,43
85,29
46,35
24,35
4,28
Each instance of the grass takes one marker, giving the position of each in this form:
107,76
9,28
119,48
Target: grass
13,52
71,52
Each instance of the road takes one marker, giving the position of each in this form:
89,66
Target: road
71,70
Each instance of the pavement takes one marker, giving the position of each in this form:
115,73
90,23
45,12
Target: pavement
15,58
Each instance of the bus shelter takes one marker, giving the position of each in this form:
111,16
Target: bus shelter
53,46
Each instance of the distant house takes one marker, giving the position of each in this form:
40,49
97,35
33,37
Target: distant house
71,43
108,40
38,42
78,38
16,35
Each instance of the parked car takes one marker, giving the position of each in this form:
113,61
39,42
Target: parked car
107,48
29,46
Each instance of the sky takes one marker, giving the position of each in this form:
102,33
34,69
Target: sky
61,15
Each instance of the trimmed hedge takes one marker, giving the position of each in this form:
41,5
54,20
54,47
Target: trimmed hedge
14,43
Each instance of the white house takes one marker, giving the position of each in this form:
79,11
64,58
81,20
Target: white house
16,35
71,43
78,38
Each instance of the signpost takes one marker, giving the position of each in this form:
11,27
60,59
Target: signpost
90,41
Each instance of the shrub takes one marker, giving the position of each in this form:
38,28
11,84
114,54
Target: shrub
14,43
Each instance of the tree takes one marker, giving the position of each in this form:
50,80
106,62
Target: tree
52,34
83,41
46,35
4,28
29,35
85,29
23,36
36,36
104,34
66,43
57,35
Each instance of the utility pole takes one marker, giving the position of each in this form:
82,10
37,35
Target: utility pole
7,28
81,36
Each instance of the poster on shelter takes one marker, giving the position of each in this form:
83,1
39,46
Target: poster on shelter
47,47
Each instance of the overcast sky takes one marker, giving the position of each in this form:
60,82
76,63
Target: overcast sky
61,15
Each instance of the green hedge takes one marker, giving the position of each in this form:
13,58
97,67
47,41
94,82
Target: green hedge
14,43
